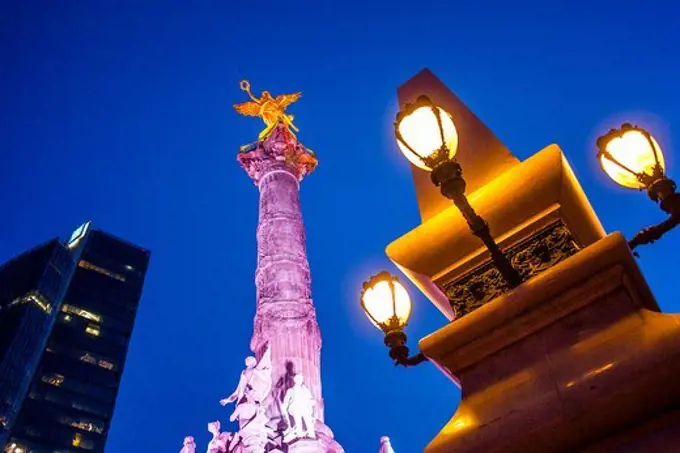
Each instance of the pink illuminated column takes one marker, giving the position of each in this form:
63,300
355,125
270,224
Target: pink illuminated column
285,316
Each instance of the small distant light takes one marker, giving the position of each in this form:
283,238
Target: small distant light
67,318
92,330
128,267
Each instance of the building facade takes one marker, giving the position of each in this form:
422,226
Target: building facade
32,286
71,385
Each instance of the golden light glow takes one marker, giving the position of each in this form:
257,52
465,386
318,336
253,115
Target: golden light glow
88,358
40,301
53,379
106,364
101,270
77,439
66,308
86,426
635,152
101,362
92,330
382,305
420,130
589,374
460,423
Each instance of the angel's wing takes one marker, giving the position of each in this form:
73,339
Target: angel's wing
248,109
284,100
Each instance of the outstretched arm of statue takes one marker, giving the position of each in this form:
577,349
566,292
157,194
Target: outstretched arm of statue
253,98
236,396
238,393
230,399
245,86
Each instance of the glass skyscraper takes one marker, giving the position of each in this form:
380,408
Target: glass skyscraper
61,388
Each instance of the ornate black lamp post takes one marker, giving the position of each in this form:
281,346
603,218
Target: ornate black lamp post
632,158
388,305
428,138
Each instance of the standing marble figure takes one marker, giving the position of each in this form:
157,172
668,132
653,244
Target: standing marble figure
221,441
385,445
299,405
189,445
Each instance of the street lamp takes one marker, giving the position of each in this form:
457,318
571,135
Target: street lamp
632,158
388,305
427,136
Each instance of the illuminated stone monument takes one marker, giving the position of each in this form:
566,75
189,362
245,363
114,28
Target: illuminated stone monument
577,358
285,319
278,403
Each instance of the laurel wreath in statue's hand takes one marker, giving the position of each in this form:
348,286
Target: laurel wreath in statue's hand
245,85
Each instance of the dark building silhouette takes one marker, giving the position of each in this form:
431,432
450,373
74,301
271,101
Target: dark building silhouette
70,309
32,286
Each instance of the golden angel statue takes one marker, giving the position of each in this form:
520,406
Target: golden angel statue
271,110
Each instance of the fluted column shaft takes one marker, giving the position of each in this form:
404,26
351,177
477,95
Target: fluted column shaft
285,316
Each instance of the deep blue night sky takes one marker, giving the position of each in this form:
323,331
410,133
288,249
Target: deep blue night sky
121,114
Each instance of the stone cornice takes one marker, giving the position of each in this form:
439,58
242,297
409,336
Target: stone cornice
279,150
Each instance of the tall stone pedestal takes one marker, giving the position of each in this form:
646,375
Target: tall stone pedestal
577,359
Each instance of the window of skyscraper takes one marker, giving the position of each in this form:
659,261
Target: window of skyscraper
79,386
92,330
81,312
84,423
87,265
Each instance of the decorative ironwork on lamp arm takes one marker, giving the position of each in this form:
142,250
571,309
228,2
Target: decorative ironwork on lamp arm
388,306
427,136
632,158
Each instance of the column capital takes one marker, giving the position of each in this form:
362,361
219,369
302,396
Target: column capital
280,150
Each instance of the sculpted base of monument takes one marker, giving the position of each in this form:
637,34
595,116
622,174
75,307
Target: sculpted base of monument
293,428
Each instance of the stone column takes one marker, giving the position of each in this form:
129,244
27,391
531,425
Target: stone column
285,317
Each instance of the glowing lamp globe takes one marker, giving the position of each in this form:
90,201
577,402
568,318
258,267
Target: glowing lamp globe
426,134
386,302
631,157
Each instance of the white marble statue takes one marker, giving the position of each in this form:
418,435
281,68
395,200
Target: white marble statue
385,445
220,442
298,405
253,432
255,381
189,445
